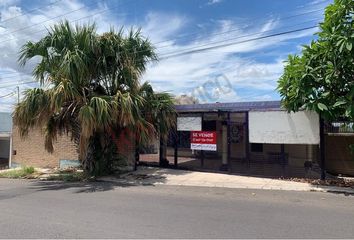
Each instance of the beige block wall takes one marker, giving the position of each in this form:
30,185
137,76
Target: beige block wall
31,152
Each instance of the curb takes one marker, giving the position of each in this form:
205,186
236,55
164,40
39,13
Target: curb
323,189
333,189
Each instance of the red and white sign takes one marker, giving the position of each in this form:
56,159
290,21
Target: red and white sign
203,140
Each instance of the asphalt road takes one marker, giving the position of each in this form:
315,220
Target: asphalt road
32,209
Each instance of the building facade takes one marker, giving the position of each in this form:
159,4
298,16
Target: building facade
251,138
258,138
30,151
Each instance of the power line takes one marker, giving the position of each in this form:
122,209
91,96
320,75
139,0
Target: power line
62,15
16,84
247,35
197,32
11,77
187,35
30,11
233,29
213,47
181,36
225,40
178,37
198,49
234,43
206,44
169,55
12,74
88,16
8,95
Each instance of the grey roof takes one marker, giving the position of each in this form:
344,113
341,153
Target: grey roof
5,122
232,106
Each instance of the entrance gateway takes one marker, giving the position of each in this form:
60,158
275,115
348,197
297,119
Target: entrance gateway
252,138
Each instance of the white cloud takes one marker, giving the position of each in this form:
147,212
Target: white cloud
179,75
192,71
161,26
4,3
212,2
316,2
19,27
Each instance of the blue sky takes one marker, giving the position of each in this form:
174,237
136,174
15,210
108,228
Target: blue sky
238,72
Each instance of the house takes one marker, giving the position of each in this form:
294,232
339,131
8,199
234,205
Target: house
252,138
256,138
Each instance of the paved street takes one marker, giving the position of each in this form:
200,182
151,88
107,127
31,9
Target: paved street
32,209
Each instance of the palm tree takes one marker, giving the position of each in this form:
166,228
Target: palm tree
91,89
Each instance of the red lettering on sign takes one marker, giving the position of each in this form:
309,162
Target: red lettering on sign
203,137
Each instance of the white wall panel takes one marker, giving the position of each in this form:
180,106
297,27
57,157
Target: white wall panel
280,127
189,123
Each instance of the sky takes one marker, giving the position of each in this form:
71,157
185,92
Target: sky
244,62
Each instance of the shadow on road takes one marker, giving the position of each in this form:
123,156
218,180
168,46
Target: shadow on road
78,187
142,177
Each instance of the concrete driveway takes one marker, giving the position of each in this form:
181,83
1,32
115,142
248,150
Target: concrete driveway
172,177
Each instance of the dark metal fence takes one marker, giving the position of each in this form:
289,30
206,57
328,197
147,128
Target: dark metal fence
272,160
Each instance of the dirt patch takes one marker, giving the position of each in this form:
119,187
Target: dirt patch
338,182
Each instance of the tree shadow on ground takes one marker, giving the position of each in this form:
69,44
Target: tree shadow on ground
78,187
143,177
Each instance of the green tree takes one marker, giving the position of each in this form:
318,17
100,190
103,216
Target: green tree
91,90
322,77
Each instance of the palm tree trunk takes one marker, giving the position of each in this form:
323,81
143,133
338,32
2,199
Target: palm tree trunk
101,155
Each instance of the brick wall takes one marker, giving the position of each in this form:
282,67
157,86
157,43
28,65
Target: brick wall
31,152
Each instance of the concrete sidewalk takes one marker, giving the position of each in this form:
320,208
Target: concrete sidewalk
154,176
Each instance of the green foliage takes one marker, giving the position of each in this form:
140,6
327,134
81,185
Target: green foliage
18,173
92,90
322,78
28,170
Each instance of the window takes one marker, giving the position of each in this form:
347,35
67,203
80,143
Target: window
184,139
256,147
209,126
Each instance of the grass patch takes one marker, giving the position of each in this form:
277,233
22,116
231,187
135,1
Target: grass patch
68,177
24,172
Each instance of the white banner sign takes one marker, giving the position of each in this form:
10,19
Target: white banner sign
189,123
206,147
280,127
